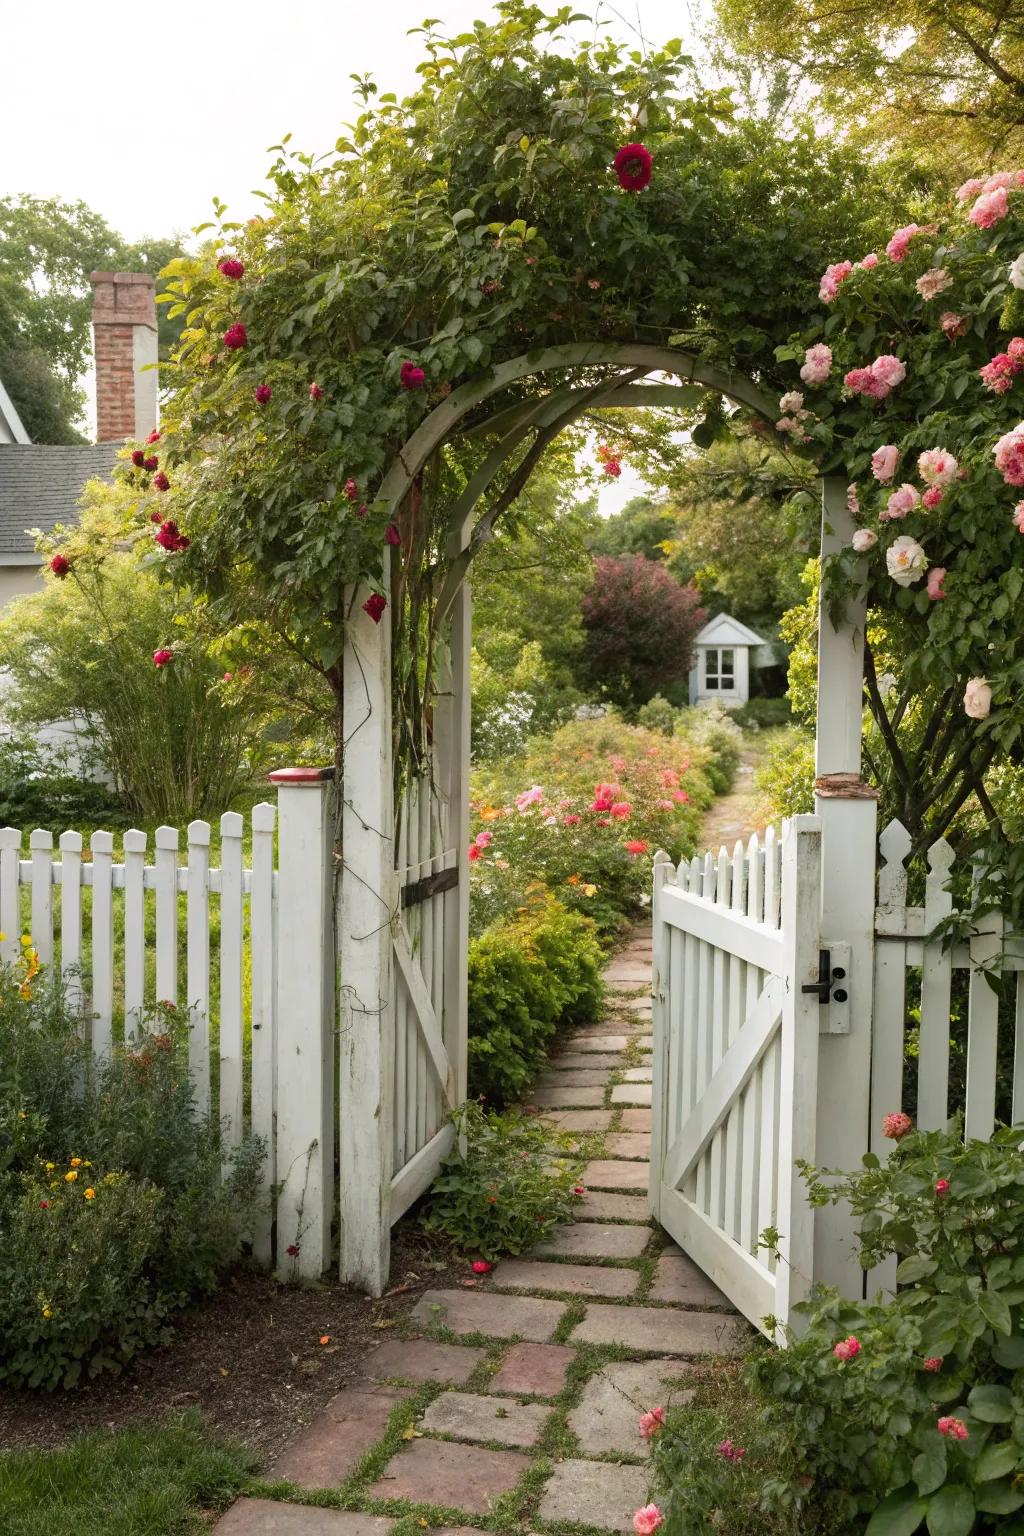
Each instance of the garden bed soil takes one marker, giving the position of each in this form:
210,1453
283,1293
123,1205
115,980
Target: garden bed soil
250,1358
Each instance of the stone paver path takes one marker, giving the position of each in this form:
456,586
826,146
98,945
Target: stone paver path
517,1397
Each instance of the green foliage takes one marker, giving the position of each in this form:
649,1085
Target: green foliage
863,1433
529,973
711,730
156,1477
643,527
586,810
785,774
114,1213
657,715
758,713
500,1190
38,788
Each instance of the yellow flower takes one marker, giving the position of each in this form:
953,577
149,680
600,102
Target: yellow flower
87,1164
74,1162
26,941
590,890
22,1115
90,1194
50,1167
2,937
47,1311
69,1178
25,992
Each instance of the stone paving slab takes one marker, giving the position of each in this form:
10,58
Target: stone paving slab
628,1144
443,1472
472,1416
629,985
635,1120
601,1205
602,1043
567,1098
573,1061
574,1079
501,1317
591,1240
638,1074
574,1279
678,1280
266,1517
627,968
324,1453
632,1093
607,1417
607,1173
423,1360
660,1330
595,1493
583,1120
539,1369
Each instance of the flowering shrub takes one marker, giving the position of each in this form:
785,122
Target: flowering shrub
640,629
113,1210
889,1417
504,1192
528,973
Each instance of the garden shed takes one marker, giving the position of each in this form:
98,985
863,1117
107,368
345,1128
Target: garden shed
725,652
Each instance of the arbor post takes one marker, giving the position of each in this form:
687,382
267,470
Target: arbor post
847,809
368,907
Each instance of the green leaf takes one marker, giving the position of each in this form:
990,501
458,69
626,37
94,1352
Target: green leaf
917,1267
998,1498
472,347
996,1460
995,1311
991,1404
899,1514
951,1512
1009,1351
929,1469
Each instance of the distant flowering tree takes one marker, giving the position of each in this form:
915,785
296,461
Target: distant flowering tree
640,628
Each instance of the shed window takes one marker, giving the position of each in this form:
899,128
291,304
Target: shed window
720,669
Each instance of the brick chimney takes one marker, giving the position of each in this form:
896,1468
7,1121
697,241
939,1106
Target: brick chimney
125,339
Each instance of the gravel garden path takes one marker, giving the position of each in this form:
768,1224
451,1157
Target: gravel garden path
511,1404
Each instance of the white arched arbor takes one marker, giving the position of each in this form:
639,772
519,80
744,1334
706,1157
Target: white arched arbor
402,919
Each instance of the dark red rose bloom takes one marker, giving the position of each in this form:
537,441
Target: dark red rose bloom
351,490
155,517
235,336
154,436
44,1205
411,377
171,538
392,535
151,463
263,393
161,482
161,658
361,511
138,458
292,1250
632,165
315,392
375,605
231,267
60,565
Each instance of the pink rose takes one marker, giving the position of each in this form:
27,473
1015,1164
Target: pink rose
932,497
977,698
484,839
647,1520
651,1423
990,208
1018,517
832,277
897,1125
999,374
730,1452
817,364
847,1349
1009,456
932,282
884,462
896,250
901,502
952,1428
162,657
852,501
1000,179
953,325
932,1363
863,540
863,382
889,370
529,797
792,402
869,261
937,467
970,189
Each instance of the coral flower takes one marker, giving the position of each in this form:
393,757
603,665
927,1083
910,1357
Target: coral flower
933,1363
647,1520
896,1125
651,1423
633,165
636,846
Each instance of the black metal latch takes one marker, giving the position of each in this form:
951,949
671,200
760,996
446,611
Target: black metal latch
827,978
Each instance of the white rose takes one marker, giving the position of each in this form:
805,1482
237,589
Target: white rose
791,403
977,696
863,540
905,560
1017,271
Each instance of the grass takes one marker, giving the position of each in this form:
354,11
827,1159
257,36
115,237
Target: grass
155,1480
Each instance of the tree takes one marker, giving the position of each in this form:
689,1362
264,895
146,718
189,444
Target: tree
48,248
640,625
645,526
942,77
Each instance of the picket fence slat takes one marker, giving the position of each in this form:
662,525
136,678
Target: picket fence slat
71,915
263,948
41,844
232,1040
101,846
197,984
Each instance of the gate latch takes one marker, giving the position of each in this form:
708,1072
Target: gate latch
832,988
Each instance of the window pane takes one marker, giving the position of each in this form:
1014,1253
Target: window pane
727,662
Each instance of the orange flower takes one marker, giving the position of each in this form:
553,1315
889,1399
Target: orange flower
325,1338
90,1194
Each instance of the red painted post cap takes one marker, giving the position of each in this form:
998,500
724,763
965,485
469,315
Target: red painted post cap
301,776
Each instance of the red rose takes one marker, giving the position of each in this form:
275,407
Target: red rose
613,468
481,1267
392,536
231,267
44,1205
351,490
60,565
170,537
138,458
362,511
410,376
263,393
154,436
161,658
235,336
942,1187
151,463
375,605
292,1250
315,392
155,517
632,165
161,482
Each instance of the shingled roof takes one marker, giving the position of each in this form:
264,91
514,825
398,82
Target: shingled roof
40,486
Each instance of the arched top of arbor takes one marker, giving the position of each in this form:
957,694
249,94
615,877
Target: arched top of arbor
445,421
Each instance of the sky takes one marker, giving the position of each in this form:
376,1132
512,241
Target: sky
146,114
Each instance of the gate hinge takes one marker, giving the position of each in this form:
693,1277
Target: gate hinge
833,987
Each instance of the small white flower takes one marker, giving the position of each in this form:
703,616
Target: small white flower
1017,271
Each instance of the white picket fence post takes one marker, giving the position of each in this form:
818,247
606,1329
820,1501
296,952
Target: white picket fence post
305,1021
263,949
